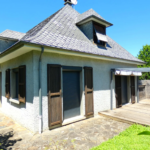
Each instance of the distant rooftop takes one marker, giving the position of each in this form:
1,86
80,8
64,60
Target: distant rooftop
12,34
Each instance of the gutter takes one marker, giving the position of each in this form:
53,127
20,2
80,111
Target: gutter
40,92
60,50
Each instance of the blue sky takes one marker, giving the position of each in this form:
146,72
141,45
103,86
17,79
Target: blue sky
130,18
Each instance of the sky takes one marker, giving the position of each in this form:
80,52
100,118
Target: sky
130,18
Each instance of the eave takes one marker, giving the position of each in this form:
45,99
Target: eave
96,19
21,48
7,38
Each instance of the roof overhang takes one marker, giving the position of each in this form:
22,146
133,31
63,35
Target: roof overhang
130,71
8,38
21,48
13,52
133,69
95,19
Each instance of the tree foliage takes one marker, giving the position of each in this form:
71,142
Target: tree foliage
144,54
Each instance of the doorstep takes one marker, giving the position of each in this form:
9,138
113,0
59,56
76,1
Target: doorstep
72,120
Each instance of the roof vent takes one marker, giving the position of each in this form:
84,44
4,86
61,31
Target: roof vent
71,2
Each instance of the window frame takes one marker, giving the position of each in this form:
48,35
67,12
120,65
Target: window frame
95,40
13,84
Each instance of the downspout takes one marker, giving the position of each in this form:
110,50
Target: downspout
40,93
111,90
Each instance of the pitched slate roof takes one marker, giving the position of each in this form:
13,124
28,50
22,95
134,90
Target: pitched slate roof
12,34
87,14
60,31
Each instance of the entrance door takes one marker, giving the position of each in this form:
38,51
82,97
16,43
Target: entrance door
124,90
71,94
132,90
118,91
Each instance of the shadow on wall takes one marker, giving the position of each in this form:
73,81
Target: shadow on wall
5,141
21,105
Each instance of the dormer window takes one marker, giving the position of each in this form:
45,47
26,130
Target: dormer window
99,34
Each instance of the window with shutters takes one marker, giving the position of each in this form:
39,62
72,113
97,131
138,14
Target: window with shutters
7,83
99,34
16,84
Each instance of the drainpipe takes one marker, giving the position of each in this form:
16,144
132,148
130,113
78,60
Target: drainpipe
111,90
40,93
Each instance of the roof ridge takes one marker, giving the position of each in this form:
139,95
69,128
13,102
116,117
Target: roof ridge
45,22
11,30
40,26
88,13
12,34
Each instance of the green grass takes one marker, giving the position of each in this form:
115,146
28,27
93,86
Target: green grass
136,137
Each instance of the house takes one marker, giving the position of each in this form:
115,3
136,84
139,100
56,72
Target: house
64,69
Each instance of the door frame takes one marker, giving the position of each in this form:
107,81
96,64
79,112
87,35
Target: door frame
123,92
133,101
76,69
120,91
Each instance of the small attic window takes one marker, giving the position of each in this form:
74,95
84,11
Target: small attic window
99,34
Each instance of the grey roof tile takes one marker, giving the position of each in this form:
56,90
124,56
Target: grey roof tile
87,14
12,34
60,30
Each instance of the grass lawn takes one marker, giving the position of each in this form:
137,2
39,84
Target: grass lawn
136,137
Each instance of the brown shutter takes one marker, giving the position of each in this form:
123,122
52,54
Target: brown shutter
100,28
22,84
7,83
118,93
88,82
54,95
132,90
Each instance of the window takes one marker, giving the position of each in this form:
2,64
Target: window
15,83
99,34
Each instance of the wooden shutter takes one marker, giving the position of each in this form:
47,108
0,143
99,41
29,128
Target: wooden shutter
22,84
118,93
54,95
100,28
7,83
132,89
88,82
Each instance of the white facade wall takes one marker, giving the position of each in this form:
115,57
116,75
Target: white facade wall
27,114
21,113
101,80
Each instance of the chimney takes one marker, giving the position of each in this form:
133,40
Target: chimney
68,2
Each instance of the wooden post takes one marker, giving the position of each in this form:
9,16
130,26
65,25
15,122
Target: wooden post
137,89
111,88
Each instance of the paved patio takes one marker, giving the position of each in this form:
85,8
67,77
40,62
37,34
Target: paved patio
87,134
132,113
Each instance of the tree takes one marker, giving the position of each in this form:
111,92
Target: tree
144,54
